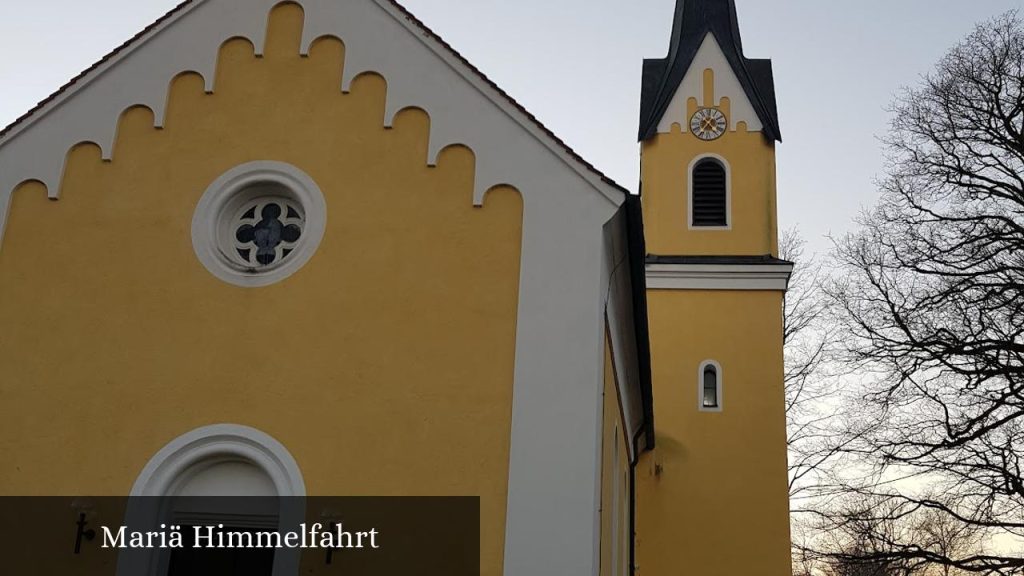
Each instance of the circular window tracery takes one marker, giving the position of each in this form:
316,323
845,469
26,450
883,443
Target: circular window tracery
267,232
258,223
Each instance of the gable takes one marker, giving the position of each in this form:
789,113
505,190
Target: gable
414,267
725,85
403,322
421,71
693,21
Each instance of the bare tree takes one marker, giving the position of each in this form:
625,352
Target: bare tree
865,535
856,541
811,374
807,345
949,538
930,291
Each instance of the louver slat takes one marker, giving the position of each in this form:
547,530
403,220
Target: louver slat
709,194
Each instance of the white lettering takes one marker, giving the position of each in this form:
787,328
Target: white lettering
110,542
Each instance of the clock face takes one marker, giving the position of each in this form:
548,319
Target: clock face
708,124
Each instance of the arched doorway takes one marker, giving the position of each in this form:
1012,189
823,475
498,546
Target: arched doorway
227,475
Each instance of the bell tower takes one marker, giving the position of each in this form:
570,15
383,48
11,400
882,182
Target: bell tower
712,498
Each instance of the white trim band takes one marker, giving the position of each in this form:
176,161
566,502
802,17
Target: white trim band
719,276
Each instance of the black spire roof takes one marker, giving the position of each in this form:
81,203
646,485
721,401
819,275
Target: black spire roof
694,19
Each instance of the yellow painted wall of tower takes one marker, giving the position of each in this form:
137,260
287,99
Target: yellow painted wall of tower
664,169
377,403
712,496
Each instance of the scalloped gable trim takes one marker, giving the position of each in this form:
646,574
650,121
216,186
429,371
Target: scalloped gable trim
138,72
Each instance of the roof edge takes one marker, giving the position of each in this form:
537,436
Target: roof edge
636,241
81,79
758,260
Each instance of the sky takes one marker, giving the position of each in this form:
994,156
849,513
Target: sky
576,65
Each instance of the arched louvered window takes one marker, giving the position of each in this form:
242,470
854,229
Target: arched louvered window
709,194
710,386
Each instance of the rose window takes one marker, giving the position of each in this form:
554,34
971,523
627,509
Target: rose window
259,223
266,232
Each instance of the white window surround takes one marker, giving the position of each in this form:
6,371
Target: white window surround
718,386
215,212
728,194
194,452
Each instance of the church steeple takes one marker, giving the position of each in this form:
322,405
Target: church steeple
712,497
708,131
693,21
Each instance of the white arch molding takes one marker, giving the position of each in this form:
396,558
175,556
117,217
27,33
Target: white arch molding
219,442
233,448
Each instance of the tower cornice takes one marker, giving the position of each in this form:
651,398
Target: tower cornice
718,273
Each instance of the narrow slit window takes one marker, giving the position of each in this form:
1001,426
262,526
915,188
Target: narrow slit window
709,195
710,387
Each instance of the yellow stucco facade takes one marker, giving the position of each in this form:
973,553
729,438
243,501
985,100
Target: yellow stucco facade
471,326
340,362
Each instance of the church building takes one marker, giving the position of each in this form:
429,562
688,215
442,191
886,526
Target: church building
305,248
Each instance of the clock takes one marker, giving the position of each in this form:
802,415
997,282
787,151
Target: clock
708,123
